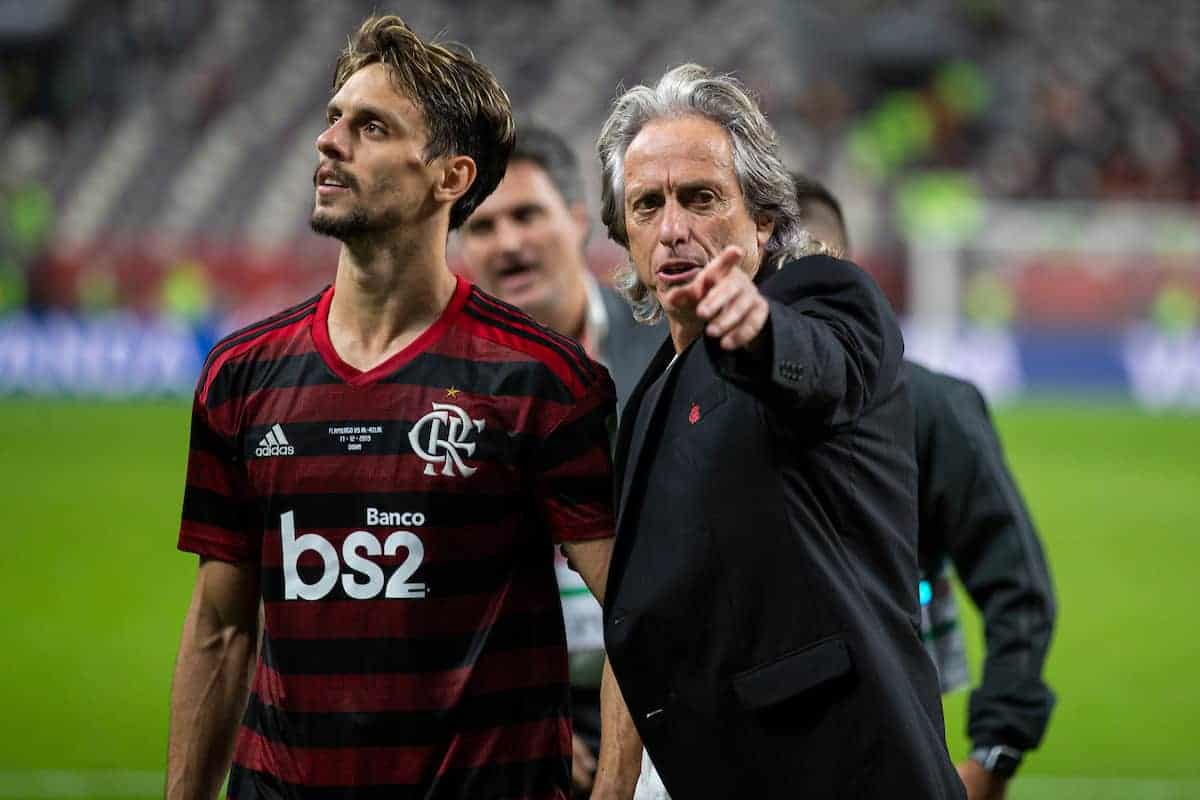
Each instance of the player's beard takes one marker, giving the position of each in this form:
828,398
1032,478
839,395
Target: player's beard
343,227
357,223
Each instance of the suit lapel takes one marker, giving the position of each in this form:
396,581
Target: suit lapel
627,452
635,450
633,439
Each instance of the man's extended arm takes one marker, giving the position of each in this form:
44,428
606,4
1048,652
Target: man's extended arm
829,346
212,677
620,746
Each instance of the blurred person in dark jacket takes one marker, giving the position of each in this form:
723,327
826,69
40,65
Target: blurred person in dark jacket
971,518
525,244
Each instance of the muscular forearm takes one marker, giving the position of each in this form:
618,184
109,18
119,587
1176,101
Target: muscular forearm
208,697
620,746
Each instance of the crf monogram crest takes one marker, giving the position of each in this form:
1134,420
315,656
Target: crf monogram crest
440,437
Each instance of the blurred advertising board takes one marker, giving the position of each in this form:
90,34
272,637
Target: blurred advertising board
1154,368
111,355
123,355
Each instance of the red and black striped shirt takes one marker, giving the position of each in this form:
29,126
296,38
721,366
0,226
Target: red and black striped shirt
402,517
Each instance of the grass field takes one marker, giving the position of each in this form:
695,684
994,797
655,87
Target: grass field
91,494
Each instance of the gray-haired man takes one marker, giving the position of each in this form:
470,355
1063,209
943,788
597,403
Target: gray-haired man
761,615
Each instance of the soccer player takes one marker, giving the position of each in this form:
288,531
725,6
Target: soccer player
383,468
971,515
525,244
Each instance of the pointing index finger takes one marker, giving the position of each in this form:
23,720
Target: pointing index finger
724,263
718,268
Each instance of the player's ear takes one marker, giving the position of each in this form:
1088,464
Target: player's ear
457,175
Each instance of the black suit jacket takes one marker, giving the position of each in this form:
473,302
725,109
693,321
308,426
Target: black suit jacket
972,511
762,613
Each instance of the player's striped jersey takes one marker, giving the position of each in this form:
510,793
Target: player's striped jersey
402,519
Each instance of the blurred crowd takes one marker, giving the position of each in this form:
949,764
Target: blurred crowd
158,149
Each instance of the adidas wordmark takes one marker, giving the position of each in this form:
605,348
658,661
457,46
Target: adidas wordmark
274,443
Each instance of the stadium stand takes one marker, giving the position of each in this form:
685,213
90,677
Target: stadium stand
164,150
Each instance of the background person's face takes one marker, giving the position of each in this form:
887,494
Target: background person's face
524,244
372,174
683,204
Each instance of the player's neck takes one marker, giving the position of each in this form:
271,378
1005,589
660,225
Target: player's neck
385,296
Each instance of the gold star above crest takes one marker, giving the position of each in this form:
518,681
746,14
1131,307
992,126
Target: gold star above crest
452,392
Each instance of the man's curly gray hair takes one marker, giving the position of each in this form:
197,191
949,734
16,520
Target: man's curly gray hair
765,182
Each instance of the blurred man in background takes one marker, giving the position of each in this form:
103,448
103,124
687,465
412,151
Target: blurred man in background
526,244
972,517
385,468
761,609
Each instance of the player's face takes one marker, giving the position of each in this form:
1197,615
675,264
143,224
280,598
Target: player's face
525,244
683,204
371,177
822,223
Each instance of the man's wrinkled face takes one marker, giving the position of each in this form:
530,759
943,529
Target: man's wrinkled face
683,204
524,244
371,176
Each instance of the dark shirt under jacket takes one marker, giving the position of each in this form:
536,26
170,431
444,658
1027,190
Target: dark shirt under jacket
762,613
970,508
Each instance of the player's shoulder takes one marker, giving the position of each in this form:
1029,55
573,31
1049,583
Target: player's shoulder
946,403
507,326
938,388
795,278
242,347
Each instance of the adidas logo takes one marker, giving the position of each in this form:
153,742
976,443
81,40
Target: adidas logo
274,443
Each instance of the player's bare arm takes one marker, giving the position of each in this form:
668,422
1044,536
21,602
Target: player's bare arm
620,746
590,559
620,760
212,677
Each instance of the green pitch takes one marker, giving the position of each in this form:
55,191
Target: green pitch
96,593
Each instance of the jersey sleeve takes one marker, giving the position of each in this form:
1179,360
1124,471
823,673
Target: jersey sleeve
218,509
573,470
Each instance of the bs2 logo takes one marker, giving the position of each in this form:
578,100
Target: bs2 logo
364,578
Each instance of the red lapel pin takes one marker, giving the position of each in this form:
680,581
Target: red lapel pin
694,415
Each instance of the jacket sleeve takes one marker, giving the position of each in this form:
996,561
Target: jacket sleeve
832,344
987,530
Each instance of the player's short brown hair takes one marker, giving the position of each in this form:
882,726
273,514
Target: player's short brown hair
466,110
